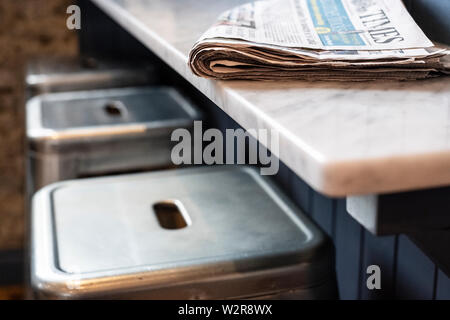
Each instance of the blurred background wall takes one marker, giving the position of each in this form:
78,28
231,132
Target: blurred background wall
27,28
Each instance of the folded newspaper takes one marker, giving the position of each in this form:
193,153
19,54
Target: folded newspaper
343,40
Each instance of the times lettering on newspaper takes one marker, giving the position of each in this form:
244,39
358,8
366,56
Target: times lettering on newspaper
335,40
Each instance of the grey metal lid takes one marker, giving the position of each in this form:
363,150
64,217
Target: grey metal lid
73,116
57,74
105,231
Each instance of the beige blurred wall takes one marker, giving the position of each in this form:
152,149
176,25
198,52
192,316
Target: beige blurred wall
27,28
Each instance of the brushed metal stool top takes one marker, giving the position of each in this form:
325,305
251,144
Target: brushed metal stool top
74,116
105,230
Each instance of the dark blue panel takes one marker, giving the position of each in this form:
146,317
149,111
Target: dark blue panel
407,4
301,193
98,30
415,272
101,36
11,267
283,177
442,286
433,17
348,248
322,212
216,118
379,251
231,124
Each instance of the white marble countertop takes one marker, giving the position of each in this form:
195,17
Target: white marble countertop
341,138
